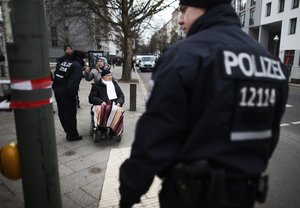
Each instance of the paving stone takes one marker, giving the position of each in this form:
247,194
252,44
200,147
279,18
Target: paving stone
64,170
99,156
80,164
88,150
80,197
67,202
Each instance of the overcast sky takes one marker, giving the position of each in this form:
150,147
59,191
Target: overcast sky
166,14
160,19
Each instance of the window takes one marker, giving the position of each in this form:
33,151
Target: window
295,4
293,23
54,43
289,57
253,2
242,4
268,9
251,19
281,6
242,19
54,37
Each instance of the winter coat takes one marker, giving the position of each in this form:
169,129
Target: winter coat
94,74
68,74
98,93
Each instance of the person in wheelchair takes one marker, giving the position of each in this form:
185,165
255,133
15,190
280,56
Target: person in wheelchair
107,99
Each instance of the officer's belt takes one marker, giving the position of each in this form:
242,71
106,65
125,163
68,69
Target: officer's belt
201,181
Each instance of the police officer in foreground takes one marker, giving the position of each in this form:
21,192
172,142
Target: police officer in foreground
212,120
67,77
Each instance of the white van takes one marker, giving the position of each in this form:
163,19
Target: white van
147,62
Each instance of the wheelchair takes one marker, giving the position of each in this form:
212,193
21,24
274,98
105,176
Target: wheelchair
111,124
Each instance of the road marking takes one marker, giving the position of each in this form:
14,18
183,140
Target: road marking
288,106
295,122
291,123
284,124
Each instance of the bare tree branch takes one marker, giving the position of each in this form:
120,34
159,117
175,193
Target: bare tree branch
129,19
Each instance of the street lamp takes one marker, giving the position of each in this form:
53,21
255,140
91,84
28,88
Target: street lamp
275,39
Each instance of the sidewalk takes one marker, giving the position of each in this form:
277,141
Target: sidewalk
88,171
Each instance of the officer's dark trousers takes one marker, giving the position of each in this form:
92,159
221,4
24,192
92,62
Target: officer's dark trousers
237,194
67,110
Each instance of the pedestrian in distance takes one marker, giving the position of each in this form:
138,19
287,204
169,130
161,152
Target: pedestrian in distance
212,120
67,77
132,65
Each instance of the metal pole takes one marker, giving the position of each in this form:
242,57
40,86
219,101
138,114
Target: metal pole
275,47
28,59
276,39
132,97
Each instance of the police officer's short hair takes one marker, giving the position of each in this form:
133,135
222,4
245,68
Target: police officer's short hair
67,46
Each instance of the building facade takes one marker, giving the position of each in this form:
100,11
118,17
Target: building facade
273,23
67,25
276,25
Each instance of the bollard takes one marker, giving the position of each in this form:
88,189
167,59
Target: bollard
132,97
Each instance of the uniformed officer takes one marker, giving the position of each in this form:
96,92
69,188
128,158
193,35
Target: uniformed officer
67,77
212,120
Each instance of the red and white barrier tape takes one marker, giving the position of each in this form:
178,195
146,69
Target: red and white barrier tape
24,105
35,84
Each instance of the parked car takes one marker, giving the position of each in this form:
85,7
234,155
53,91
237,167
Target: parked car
147,63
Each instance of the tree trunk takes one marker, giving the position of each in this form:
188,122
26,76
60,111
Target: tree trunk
126,73
127,49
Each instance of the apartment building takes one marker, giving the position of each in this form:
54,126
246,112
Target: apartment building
276,25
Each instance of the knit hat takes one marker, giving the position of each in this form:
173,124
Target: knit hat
105,72
103,59
203,3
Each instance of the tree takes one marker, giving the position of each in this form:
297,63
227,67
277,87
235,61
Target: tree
127,17
174,37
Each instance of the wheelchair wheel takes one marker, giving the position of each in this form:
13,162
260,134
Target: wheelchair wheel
119,138
96,136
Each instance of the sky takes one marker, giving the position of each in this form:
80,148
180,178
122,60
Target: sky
166,14
160,19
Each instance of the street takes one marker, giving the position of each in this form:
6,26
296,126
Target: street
283,170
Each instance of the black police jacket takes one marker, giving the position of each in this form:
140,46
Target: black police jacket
67,75
218,95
